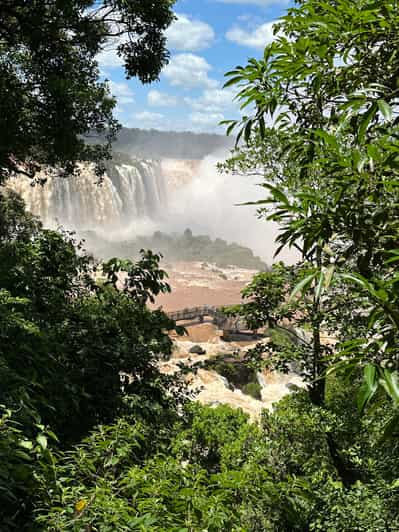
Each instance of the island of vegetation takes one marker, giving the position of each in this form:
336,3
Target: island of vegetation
178,247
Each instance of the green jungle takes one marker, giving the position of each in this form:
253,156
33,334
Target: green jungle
93,437
178,247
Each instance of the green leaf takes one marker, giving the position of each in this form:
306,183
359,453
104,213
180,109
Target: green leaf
26,444
366,119
385,109
248,130
42,441
277,194
230,128
303,284
319,287
329,275
390,382
359,280
368,388
233,81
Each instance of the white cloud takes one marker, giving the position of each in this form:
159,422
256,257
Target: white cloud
263,3
206,120
108,57
213,100
147,115
146,120
195,121
187,34
160,99
189,71
122,92
257,38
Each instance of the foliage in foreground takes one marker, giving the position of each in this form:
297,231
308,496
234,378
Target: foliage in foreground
216,471
328,87
71,349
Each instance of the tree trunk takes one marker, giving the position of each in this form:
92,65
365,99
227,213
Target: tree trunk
317,390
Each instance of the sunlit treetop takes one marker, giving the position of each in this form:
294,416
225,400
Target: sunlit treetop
50,93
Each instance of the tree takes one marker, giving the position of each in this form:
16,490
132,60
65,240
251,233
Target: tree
328,87
74,352
77,337
215,470
51,97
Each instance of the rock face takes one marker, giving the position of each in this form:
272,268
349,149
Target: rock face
197,350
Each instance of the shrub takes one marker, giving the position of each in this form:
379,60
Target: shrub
253,389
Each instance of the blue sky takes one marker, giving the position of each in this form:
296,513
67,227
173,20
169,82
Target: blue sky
209,38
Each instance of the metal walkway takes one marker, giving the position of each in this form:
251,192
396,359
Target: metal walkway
223,322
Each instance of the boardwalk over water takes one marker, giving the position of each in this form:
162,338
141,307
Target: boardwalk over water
215,315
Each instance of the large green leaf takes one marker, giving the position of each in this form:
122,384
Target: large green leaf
320,286
303,284
369,386
390,382
385,109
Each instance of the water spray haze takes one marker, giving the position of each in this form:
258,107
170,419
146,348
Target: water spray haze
211,203
138,197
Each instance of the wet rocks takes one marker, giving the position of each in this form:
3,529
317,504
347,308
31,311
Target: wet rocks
197,350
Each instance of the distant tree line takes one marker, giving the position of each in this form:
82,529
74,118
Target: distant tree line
179,247
154,144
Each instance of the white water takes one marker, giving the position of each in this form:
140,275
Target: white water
144,196
211,203
129,193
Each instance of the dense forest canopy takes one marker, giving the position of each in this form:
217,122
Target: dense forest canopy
177,247
92,435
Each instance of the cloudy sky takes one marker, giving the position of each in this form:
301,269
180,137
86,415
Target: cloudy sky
209,38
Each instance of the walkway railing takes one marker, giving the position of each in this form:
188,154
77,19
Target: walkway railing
226,323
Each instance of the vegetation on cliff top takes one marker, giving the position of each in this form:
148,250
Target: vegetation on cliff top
175,145
174,247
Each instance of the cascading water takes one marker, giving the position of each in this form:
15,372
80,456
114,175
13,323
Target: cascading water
129,192
138,197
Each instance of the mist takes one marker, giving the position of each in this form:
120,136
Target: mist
168,194
210,204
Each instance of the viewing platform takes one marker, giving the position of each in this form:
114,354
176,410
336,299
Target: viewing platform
228,325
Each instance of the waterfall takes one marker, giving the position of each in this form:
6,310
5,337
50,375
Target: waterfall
261,380
130,191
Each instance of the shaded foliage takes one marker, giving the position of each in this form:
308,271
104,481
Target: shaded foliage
217,471
51,95
72,348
